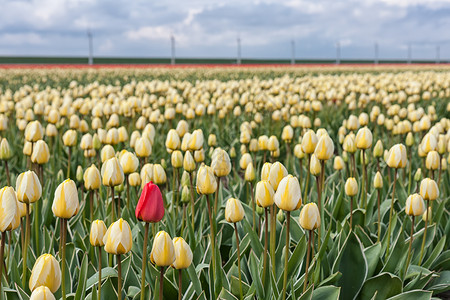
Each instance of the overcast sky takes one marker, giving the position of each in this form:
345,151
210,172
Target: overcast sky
207,28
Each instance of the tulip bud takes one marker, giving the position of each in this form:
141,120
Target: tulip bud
118,238
107,153
199,155
182,128
310,217
221,164
34,132
280,216
150,207
429,143
79,174
163,250
212,140
45,272
314,166
143,147
426,216
378,149
396,157
206,181
351,187
418,175
28,187
196,140
9,209
42,293
266,170
432,160
70,138
129,162
185,194
250,174
183,254
245,160
338,163
409,139
288,133
96,143
172,140
134,179
276,173
41,153
259,210
309,142
253,146
65,204
364,138
378,181
98,231
429,189
176,159
5,150
234,212
349,143
185,181
288,195
188,162
232,152
91,178
414,205
112,172
298,151
86,142
444,163
264,194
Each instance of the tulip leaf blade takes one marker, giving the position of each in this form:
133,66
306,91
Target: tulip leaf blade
385,285
81,289
326,293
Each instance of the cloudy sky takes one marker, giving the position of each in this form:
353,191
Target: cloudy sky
207,28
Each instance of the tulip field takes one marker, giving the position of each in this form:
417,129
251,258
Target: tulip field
262,182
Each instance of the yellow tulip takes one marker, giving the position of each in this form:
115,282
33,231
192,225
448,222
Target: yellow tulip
378,181
112,172
172,140
221,163
183,254
309,142
245,137
265,171
273,144
70,138
206,181
351,187
338,163
378,149
310,217
414,205
349,143
98,231
426,216
143,147
159,174
234,212
196,140
188,162
86,142
9,209
134,179
264,194
182,128
28,187
314,167
91,178
429,189
5,150
129,162
287,133
364,138
65,204
27,148
325,148
41,153
396,157
199,155
176,159
429,143
118,239
250,174
288,195
45,272
263,142
34,132
276,173
163,250
432,160
409,139
112,136
42,293
246,158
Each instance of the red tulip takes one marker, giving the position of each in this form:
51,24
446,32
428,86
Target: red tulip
150,207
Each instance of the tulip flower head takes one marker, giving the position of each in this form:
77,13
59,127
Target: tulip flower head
288,195
28,187
98,231
276,173
415,205
183,254
351,187
42,293
9,209
378,181
429,189
92,178
310,217
265,171
264,194
221,163
163,250
396,157
45,272
364,138
325,148
234,212
150,207
65,204
206,181
309,142
117,239
112,172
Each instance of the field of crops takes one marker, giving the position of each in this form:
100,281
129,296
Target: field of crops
225,183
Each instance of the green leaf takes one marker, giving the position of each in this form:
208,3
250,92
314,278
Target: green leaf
226,295
353,266
416,295
384,285
372,254
441,283
326,293
81,289
436,251
106,272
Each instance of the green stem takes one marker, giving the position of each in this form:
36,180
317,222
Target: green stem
211,227
410,170
305,284
273,230
266,229
216,196
308,172
2,251
68,162
424,234
161,280
180,285
239,261
253,206
410,245
113,214
63,259
286,255
144,261
8,178
351,212
390,214
366,187
192,201
379,215
99,293
128,191
25,248
119,277
91,204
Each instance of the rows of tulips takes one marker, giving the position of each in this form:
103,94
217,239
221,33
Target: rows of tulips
307,187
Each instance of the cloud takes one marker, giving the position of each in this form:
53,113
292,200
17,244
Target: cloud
205,28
